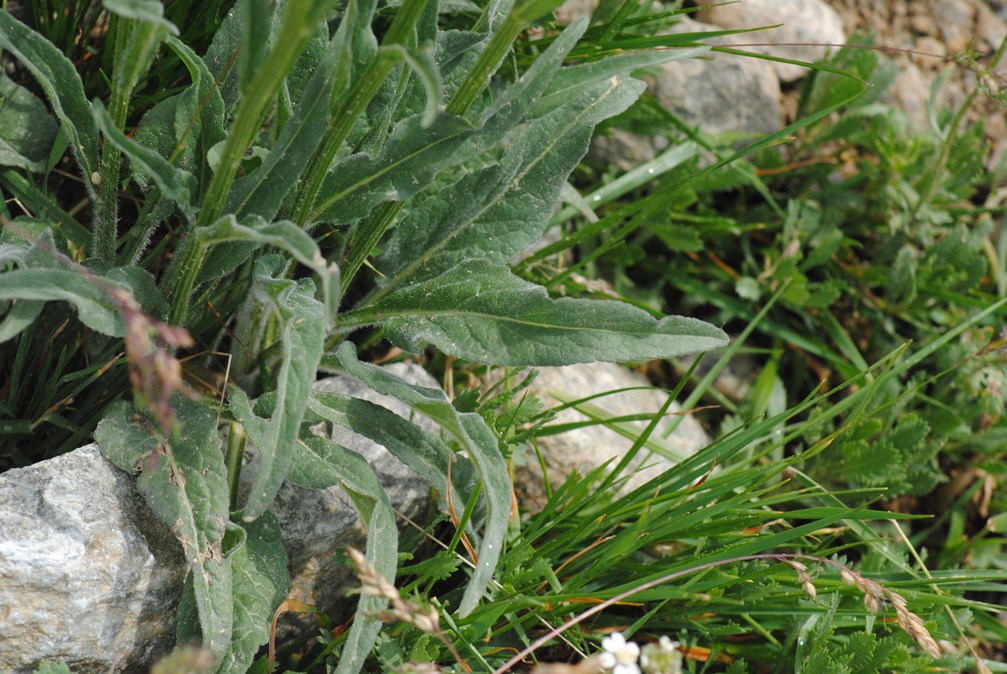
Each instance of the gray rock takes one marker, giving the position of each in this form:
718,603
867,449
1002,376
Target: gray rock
587,448
804,21
88,575
721,92
571,10
625,150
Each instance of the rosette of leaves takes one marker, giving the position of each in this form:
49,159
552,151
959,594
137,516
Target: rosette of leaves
301,125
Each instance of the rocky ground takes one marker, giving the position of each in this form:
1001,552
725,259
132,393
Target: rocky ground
926,40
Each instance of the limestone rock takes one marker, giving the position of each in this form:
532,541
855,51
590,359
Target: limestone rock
88,574
804,21
720,92
587,448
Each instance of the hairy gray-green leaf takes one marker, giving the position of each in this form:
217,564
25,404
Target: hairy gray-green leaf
27,132
182,128
58,78
472,434
149,11
485,313
322,463
262,192
409,161
225,49
496,213
236,241
355,47
574,79
509,108
176,184
417,149
44,274
254,18
421,62
139,33
426,454
47,276
201,99
260,579
300,324
184,482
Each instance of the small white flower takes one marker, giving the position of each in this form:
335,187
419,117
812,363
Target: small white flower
620,655
662,657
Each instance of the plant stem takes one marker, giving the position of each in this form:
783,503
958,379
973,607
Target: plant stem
106,211
370,232
296,31
232,460
343,117
488,62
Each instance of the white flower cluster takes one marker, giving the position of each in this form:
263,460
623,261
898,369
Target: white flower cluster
621,656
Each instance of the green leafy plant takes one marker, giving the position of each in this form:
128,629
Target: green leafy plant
302,147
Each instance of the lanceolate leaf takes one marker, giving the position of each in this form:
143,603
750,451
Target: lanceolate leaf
27,132
149,11
59,79
472,434
260,579
176,184
144,33
285,235
408,162
184,482
355,46
301,332
485,313
321,463
262,192
500,211
571,80
199,117
87,294
426,454
417,150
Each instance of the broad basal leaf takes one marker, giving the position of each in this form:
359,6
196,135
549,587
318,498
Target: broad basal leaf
498,212
183,127
226,47
299,321
260,579
27,132
58,78
425,454
138,38
484,313
184,482
472,434
46,275
421,146
409,161
321,463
